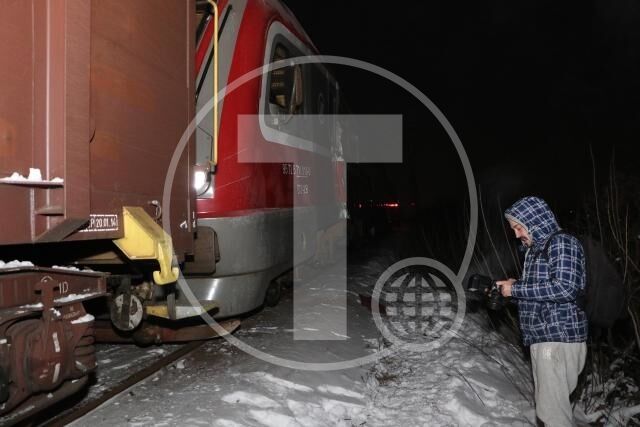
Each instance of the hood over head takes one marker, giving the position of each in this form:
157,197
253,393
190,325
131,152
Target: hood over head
534,214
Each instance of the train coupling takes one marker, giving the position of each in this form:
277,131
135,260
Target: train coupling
170,309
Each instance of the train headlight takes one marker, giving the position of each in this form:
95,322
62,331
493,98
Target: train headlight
201,179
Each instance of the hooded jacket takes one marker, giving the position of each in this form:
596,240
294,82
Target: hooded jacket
546,294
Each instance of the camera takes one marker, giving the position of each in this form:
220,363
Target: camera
485,288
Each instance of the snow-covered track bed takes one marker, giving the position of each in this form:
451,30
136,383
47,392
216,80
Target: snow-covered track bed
121,368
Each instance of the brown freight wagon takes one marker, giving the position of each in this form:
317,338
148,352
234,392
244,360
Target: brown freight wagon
96,95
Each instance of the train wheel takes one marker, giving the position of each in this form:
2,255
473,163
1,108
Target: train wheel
274,292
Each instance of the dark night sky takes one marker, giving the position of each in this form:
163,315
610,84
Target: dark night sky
527,86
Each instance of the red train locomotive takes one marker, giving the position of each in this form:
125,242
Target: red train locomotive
249,205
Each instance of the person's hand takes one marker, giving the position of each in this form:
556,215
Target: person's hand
505,286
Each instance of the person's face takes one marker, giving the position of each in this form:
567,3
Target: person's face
521,233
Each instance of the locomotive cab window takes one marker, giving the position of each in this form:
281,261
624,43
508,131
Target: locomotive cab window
296,97
286,88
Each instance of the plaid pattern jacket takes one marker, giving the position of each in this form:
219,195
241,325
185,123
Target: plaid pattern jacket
547,291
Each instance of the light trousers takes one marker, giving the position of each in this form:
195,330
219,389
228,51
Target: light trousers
556,366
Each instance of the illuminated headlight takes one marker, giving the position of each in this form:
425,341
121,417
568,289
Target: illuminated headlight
201,179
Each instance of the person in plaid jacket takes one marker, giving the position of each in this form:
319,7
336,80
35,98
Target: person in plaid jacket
552,323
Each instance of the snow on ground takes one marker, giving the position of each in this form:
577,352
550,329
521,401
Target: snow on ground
475,379
221,385
610,399
117,362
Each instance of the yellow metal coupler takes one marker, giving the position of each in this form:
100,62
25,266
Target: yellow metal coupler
145,239
181,311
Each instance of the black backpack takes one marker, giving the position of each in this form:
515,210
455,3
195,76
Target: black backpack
603,299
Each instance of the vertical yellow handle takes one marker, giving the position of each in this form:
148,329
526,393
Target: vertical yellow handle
214,147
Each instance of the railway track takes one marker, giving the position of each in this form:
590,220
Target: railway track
59,416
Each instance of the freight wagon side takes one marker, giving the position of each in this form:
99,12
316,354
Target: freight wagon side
94,97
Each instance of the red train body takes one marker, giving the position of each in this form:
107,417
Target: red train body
249,205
